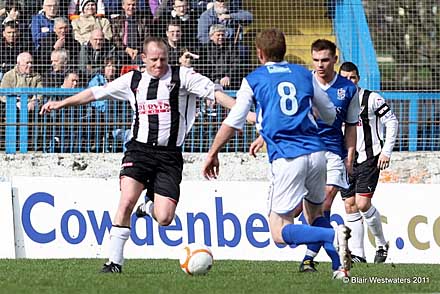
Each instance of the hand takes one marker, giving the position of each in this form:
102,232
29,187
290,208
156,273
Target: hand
251,117
211,167
224,16
383,162
225,82
186,58
31,105
59,43
49,106
256,146
131,52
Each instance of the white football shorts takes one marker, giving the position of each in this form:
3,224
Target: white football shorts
336,171
294,179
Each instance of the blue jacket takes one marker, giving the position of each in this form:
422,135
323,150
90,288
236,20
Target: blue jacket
41,26
209,17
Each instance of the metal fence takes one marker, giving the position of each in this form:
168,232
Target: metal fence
88,128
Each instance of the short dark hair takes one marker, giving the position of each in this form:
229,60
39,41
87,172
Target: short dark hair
157,40
11,23
272,43
349,66
324,44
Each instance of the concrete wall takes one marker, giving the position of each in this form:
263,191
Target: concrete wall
406,167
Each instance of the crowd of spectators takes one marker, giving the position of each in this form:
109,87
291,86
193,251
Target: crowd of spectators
82,43
65,36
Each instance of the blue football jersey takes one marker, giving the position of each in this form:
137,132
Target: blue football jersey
282,94
341,92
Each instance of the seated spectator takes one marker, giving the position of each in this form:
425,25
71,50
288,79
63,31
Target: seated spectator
14,13
94,53
174,42
129,31
89,21
22,76
113,8
61,38
186,18
219,58
71,80
55,77
10,46
43,23
74,9
219,14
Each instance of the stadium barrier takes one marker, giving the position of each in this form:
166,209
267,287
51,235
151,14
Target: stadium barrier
91,128
65,218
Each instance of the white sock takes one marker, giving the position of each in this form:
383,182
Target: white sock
118,237
356,242
372,218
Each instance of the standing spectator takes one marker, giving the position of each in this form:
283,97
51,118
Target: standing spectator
89,21
94,52
373,155
220,58
43,23
10,46
55,77
219,14
129,31
61,38
182,15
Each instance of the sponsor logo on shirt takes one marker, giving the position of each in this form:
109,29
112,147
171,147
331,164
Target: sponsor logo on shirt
278,69
154,107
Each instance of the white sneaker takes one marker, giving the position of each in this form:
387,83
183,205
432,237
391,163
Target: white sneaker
341,238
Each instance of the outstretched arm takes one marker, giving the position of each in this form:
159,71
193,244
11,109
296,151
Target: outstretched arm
82,97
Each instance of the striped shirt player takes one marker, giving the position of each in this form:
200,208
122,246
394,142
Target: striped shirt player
163,100
284,96
373,154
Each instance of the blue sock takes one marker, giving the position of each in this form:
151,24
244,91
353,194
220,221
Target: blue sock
329,248
313,248
304,234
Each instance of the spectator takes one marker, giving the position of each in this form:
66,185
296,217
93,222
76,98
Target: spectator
71,80
89,21
186,18
10,47
43,23
55,78
113,8
61,38
14,13
220,58
22,76
175,48
219,14
74,9
93,53
129,31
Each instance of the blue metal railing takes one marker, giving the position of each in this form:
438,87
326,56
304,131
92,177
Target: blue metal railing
355,43
83,129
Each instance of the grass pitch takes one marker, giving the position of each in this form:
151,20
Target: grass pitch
231,277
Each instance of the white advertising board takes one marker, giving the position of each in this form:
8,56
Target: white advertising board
7,247
71,218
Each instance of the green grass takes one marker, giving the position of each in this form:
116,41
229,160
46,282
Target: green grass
165,276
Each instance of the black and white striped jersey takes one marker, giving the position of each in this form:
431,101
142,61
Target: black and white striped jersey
375,114
164,109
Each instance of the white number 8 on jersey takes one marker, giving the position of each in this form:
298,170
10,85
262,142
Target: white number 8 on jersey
289,96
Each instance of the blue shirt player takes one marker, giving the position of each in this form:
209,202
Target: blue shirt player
284,97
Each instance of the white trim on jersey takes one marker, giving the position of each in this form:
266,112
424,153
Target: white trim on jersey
377,124
192,85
